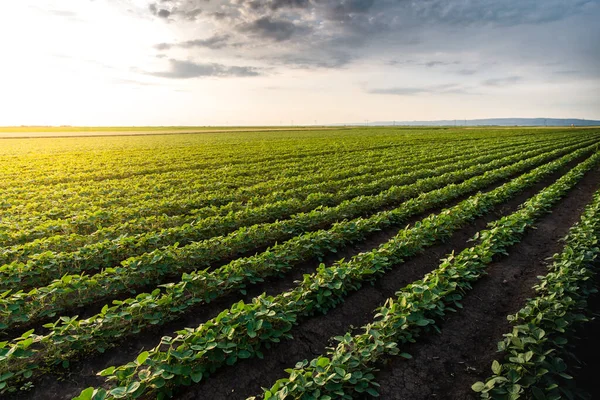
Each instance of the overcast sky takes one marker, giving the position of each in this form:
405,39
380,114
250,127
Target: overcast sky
249,62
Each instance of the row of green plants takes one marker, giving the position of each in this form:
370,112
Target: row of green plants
62,295
43,268
47,169
246,329
535,354
103,158
69,337
219,195
227,201
160,210
126,199
347,370
70,290
176,199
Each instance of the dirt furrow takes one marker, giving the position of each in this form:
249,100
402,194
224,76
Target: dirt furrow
444,366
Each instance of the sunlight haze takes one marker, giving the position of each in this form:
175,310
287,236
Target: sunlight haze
283,62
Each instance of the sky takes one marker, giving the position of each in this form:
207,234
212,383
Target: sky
296,62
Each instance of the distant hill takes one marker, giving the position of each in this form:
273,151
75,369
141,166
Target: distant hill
493,122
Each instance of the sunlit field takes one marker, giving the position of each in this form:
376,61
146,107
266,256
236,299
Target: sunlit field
294,262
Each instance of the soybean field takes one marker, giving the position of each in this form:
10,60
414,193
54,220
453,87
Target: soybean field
334,263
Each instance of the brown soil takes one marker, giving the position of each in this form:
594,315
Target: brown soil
587,348
445,366
310,337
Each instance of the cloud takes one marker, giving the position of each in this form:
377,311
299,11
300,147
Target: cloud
466,71
173,11
277,4
304,33
499,82
190,15
163,13
449,88
187,69
271,28
214,42
159,12
345,9
314,59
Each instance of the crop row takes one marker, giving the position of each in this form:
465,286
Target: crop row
535,352
181,160
234,173
346,371
246,329
42,268
46,163
180,198
151,268
227,203
77,198
63,294
70,336
96,217
79,208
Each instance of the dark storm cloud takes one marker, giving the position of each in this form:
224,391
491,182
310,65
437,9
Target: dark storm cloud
303,33
383,14
186,69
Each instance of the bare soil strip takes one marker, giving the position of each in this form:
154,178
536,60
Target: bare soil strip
444,366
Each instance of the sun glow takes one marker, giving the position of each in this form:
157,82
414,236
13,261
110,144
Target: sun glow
72,55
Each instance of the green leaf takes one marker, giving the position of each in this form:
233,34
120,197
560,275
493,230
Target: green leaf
133,386
478,386
538,393
85,394
372,392
196,376
119,392
496,367
107,371
27,334
323,362
244,354
142,357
